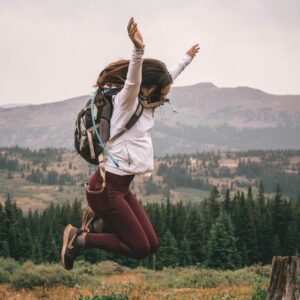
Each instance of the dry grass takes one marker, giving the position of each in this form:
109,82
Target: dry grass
36,187
222,292
59,292
140,291
295,160
107,278
122,278
27,203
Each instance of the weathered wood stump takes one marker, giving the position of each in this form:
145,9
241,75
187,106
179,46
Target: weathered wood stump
283,279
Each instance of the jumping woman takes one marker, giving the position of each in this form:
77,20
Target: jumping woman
115,220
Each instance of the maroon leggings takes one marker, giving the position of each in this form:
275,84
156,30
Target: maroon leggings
128,230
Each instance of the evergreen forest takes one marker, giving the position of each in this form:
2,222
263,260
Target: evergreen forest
220,232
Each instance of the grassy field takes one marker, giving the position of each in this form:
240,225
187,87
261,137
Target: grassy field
37,196
186,194
107,278
28,194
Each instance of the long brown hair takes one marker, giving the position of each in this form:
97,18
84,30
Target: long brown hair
154,73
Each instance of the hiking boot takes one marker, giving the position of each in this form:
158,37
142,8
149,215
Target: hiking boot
90,222
70,250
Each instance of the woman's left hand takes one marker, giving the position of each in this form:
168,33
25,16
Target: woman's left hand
134,34
194,50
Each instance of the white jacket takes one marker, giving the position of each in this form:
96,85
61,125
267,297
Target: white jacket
133,149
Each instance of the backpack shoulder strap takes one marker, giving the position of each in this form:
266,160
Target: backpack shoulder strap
136,115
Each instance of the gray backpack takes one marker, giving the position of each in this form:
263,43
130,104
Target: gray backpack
92,127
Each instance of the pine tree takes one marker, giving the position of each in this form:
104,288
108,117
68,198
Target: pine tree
178,221
4,249
24,244
158,221
290,245
264,228
221,247
261,197
226,203
36,255
278,216
194,236
266,233
76,212
296,218
168,252
10,212
52,251
3,232
276,249
213,205
245,230
10,226
185,256
168,214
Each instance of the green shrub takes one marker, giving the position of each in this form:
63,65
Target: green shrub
113,296
259,293
30,275
27,279
108,267
181,277
9,265
4,276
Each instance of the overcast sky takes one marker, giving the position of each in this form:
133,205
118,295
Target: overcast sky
52,50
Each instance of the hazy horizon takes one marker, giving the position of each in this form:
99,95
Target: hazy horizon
54,50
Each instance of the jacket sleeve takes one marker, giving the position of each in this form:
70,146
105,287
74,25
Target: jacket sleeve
177,69
126,98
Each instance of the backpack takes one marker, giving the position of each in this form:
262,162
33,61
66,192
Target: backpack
93,132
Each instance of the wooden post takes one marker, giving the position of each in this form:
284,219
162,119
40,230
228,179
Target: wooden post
283,278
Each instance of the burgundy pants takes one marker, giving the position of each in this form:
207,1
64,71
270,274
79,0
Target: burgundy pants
128,230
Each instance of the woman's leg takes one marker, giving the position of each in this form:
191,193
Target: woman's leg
143,219
128,237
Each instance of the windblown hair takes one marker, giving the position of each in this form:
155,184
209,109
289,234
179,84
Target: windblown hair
154,73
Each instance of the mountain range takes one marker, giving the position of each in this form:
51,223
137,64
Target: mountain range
207,118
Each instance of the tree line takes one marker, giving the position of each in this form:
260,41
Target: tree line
177,169
219,232
35,174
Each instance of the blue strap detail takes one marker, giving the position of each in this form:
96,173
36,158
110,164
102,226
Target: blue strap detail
96,131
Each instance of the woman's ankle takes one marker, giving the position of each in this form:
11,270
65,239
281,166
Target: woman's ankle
80,241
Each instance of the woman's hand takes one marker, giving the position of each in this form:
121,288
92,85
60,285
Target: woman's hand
134,34
193,51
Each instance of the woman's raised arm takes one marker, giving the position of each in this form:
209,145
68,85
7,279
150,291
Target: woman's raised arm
190,54
127,96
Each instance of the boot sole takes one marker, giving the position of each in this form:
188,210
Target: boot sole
65,244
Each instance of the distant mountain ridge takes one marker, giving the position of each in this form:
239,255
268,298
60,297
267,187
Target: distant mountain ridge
208,118
11,105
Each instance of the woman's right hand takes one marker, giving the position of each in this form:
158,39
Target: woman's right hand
193,50
135,35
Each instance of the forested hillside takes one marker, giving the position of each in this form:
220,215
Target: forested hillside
40,177
229,234
209,210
